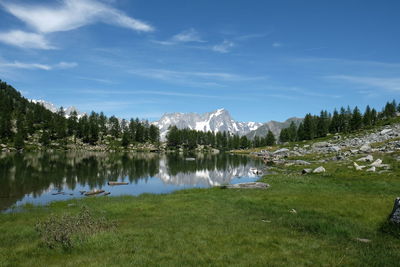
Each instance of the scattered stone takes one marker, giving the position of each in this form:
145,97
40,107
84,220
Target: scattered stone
266,221
250,185
293,211
320,169
365,148
363,240
281,151
368,158
385,131
321,144
377,163
395,215
372,169
358,167
305,171
353,151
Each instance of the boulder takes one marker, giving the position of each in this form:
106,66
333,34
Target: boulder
368,158
320,169
376,163
372,169
250,185
321,144
358,167
395,215
333,149
305,171
365,148
281,151
385,131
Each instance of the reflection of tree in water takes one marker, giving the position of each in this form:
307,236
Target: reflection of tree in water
36,173
177,164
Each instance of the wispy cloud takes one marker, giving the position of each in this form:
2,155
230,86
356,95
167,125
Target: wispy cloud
186,36
388,84
197,79
37,66
224,47
276,44
72,14
25,40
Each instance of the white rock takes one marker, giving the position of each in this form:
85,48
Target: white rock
368,158
319,170
385,131
372,169
365,148
376,163
282,150
358,167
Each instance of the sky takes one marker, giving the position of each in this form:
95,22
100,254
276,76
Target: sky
260,60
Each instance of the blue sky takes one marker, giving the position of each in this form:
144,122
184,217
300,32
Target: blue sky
261,60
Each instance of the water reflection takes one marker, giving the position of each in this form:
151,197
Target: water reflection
34,177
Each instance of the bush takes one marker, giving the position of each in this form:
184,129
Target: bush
67,229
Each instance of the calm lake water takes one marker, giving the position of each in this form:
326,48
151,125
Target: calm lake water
39,178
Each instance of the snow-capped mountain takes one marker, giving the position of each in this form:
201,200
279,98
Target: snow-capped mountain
217,121
53,108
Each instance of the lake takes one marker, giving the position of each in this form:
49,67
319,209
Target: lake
42,177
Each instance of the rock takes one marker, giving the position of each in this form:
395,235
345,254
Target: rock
250,185
358,168
281,151
365,148
305,171
395,215
385,131
354,151
321,144
368,158
377,163
334,149
372,169
319,170
293,211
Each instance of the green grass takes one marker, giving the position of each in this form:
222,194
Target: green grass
221,227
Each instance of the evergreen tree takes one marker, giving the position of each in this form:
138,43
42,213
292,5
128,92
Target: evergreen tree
270,139
356,120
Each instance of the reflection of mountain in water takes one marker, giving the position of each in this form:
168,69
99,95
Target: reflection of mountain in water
207,177
38,173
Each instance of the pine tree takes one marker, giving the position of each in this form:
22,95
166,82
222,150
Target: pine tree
270,139
367,118
356,120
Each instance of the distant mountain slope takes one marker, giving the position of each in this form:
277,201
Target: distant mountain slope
54,109
216,121
274,126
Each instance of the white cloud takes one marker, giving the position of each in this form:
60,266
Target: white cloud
72,14
190,35
25,40
389,84
37,66
187,36
192,78
276,44
223,47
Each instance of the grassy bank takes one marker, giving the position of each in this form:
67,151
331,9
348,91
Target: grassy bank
227,227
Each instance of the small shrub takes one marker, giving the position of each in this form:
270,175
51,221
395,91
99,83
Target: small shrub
67,229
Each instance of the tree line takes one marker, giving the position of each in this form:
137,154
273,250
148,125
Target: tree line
21,119
342,121
190,139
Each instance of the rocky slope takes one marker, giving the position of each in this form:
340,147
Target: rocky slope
274,126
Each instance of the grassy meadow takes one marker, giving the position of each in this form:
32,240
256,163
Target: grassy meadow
222,227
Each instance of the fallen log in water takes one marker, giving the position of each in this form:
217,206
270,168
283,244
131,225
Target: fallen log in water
117,183
94,192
